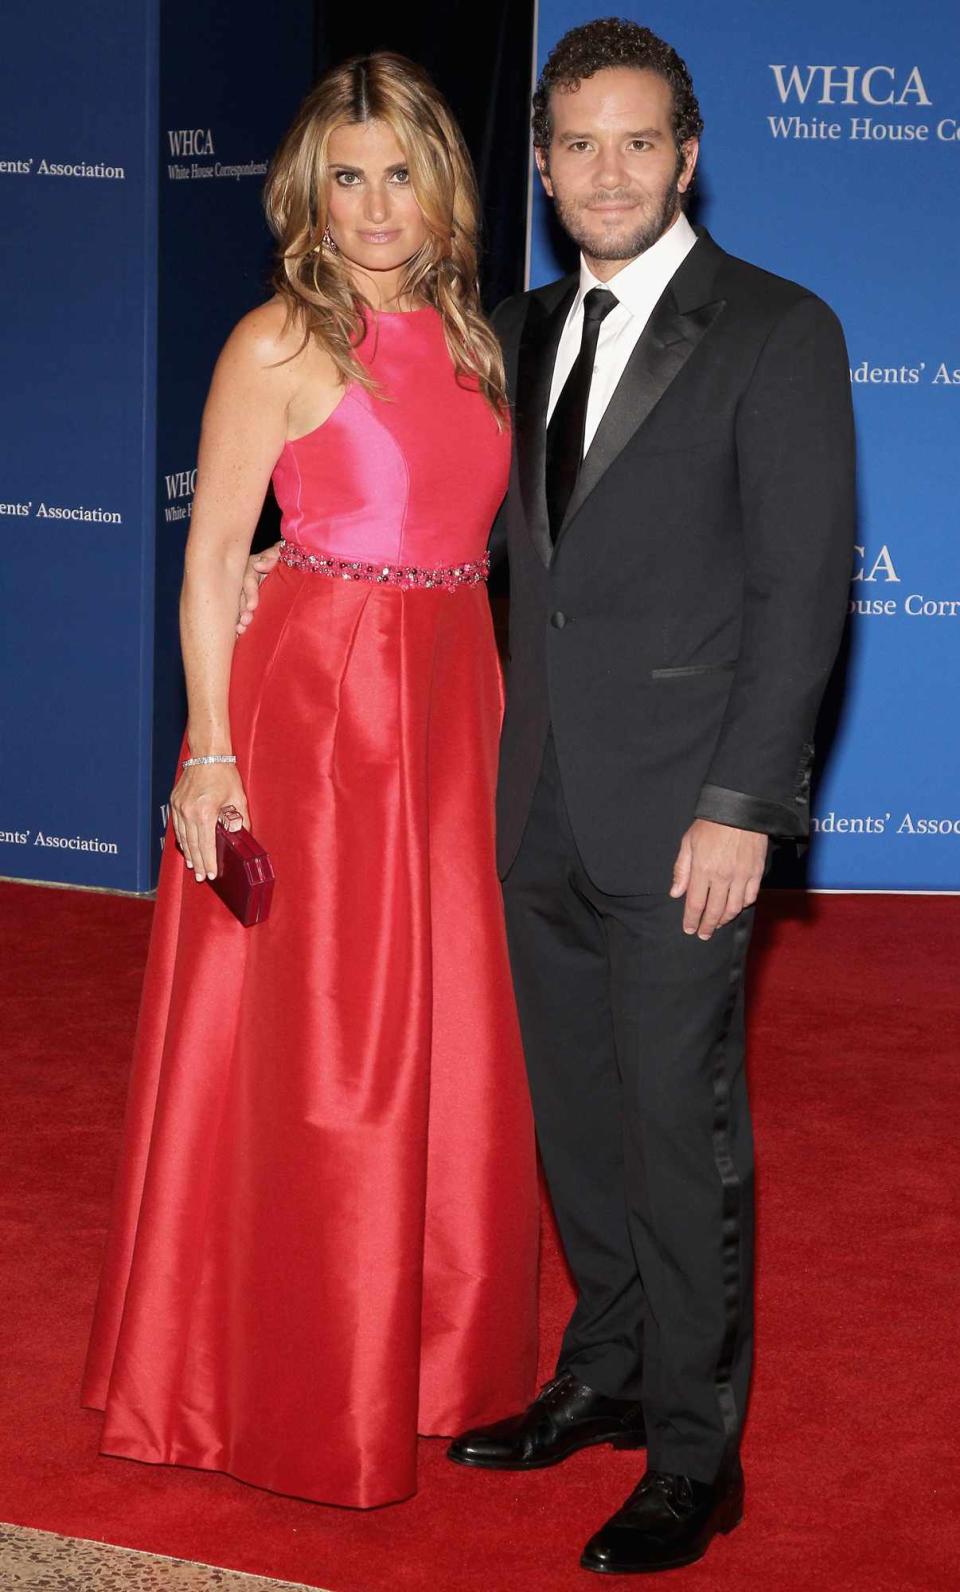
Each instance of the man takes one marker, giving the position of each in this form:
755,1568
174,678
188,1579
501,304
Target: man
680,526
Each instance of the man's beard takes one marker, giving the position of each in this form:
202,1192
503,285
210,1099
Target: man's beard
574,218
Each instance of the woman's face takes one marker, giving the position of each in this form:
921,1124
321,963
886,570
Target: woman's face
372,214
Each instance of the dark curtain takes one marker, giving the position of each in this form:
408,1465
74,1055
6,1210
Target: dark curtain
479,55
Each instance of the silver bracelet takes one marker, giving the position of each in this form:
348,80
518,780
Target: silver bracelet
196,762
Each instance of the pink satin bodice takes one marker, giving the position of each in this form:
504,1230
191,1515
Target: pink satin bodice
413,477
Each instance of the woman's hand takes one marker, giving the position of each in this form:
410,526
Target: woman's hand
198,798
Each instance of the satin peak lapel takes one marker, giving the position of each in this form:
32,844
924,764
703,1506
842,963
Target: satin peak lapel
537,356
665,345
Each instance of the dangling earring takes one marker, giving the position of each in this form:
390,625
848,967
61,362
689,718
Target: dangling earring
328,242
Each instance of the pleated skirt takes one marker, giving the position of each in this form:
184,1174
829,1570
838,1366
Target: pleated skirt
324,1238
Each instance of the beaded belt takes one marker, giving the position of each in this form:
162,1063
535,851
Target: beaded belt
405,575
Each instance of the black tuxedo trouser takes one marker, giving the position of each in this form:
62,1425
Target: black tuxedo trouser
633,1033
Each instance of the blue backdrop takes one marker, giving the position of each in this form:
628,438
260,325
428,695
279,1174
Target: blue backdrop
229,85
134,136
77,325
832,156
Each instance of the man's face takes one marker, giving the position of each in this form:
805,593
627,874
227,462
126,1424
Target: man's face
611,168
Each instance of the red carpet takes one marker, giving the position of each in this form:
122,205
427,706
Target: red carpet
853,1455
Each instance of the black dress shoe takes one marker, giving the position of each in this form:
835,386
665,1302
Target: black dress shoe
564,1417
667,1521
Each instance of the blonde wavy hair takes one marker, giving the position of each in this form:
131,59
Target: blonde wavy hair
313,279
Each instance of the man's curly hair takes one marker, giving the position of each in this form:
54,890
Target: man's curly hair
612,41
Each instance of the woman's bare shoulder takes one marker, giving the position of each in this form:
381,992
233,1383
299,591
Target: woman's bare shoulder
265,336
269,340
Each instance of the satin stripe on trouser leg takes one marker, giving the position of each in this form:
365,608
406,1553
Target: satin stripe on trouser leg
633,1034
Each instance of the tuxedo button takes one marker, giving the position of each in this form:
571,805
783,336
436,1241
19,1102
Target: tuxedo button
558,620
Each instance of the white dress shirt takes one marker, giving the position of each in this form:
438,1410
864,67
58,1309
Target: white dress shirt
637,287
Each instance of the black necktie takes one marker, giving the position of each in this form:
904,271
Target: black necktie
568,422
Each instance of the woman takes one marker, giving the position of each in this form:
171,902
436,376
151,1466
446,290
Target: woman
325,1236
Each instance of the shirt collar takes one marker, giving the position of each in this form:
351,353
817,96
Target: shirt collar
639,285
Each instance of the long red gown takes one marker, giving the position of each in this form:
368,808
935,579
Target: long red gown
324,1238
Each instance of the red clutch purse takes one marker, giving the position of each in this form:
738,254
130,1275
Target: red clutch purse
245,876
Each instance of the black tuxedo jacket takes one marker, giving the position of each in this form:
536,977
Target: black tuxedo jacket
679,636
